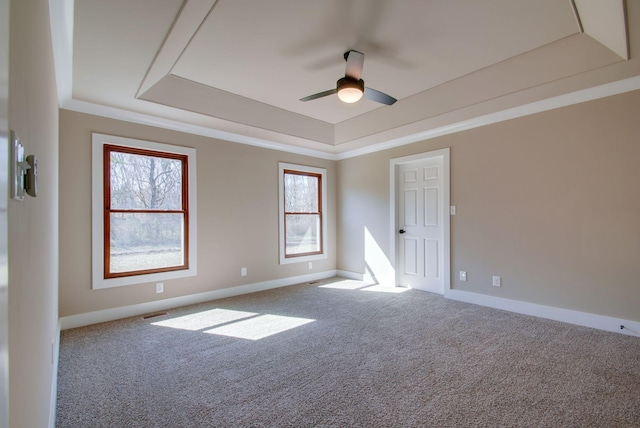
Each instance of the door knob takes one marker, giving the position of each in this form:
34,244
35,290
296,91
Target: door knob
402,231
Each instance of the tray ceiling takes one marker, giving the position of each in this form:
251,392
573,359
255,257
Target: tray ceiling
240,66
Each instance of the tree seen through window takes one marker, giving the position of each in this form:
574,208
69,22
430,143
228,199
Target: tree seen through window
302,213
146,217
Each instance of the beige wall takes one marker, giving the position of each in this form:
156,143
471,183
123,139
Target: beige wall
550,202
33,228
237,215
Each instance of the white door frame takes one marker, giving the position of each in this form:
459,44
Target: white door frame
4,227
394,166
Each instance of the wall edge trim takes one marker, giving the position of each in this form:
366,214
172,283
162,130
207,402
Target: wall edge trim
350,275
55,356
546,104
89,318
585,319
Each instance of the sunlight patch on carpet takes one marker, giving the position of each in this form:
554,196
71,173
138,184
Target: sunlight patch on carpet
205,319
385,289
347,284
352,284
259,327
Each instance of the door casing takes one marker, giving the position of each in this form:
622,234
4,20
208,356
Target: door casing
4,227
394,208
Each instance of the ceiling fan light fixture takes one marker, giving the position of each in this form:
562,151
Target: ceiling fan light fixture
349,95
350,90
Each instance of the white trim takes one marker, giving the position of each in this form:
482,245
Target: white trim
584,95
61,21
62,32
367,276
600,322
281,241
182,31
53,397
394,165
577,97
97,230
80,320
5,191
175,125
351,275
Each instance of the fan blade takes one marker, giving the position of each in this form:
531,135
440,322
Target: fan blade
319,95
355,63
379,97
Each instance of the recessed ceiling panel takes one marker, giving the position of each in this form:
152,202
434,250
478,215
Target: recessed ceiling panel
236,69
279,51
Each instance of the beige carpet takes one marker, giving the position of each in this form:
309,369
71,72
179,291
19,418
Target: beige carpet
340,354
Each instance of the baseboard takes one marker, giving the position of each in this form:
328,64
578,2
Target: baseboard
600,322
350,275
53,399
96,317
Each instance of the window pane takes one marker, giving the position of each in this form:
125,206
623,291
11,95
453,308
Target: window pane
145,241
303,232
300,193
145,182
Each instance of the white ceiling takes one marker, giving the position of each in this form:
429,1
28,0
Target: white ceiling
236,69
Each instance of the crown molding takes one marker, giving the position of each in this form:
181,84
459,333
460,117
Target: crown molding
577,97
175,125
61,17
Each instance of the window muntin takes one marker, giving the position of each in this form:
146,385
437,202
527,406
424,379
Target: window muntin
302,213
146,215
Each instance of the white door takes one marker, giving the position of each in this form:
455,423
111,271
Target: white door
420,223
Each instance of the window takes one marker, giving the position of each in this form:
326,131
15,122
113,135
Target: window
302,213
146,215
144,211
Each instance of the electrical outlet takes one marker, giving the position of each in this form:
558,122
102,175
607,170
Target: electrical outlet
159,287
496,281
463,275
452,210
243,271
310,265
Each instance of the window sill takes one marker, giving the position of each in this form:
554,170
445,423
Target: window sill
302,259
101,283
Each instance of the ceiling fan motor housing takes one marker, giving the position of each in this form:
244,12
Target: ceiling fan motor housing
349,82
349,89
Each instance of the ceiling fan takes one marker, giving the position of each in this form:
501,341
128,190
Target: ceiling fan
351,87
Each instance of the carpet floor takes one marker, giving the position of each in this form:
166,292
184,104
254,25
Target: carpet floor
340,353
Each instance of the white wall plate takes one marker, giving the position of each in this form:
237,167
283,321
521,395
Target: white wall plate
17,173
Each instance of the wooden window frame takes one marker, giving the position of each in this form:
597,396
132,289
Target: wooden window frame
184,211
190,246
314,213
322,195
